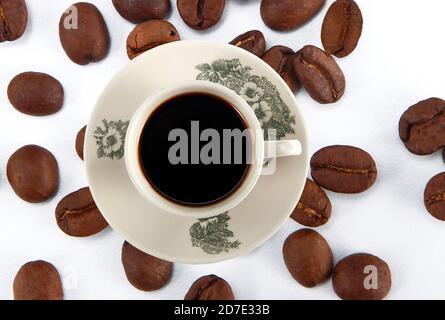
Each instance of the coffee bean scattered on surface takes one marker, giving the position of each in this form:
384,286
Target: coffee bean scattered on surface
308,257
80,141
13,19
201,14
314,207
422,126
286,15
210,287
342,28
138,11
87,42
434,196
252,41
143,271
319,74
78,216
38,280
281,59
33,173
148,35
343,169
361,277
36,94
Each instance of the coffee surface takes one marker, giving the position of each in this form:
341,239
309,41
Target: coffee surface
193,180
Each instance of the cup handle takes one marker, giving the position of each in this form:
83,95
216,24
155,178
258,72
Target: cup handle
282,148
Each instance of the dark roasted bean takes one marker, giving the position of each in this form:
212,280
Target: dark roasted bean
342,28
143,271
281,59
252,41
201,14
285,15
343,169
38,280
13,19
319,74
434,196
138,11
308,257
80,141
362,277
77,215
148,35
422,126
210,287
33,173
36,94
314,208
83,33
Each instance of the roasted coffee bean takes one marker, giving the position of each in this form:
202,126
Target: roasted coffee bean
36,94
83,33
361,277
148,35
252,41
210,287
434,196
422,126
281,59
33,173
319,74
38,280
80,141
285,15
145,272
343,169
308,257
201,14
77,215
314,207
138,11
13,19
342,28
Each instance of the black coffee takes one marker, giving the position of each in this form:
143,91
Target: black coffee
188,149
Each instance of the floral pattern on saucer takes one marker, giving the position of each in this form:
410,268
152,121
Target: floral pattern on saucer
110,139
211,234
258,91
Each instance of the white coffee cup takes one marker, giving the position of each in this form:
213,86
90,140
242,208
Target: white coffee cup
261,150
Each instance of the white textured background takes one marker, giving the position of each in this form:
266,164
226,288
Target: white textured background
399,60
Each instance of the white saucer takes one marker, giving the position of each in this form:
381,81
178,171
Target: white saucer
172,237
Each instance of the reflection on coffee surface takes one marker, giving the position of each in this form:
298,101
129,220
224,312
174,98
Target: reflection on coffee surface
195,149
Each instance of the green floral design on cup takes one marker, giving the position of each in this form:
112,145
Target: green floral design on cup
110,139
211,234
258,91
